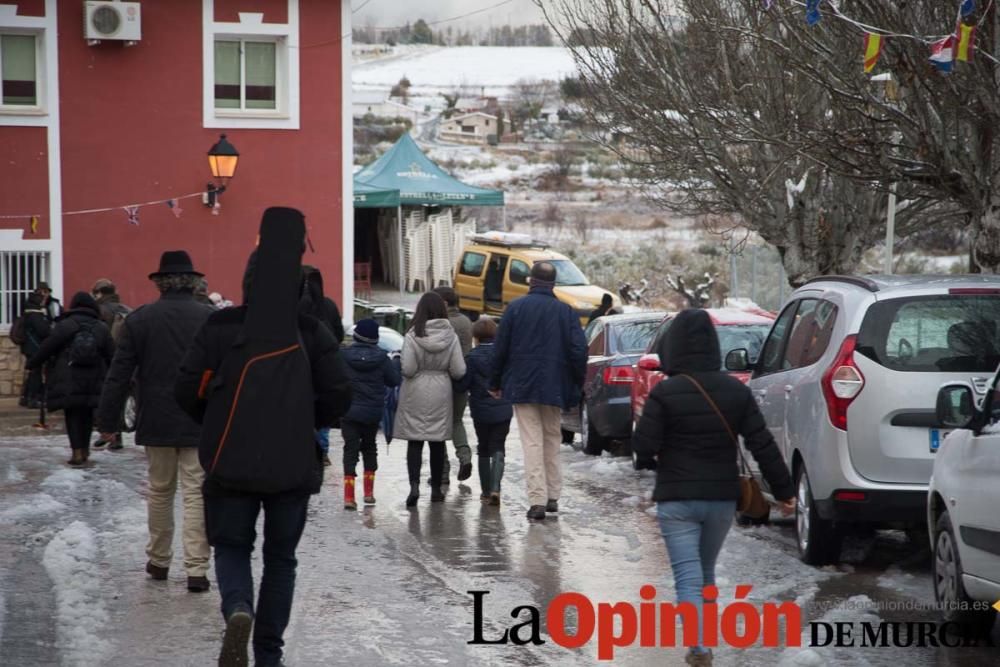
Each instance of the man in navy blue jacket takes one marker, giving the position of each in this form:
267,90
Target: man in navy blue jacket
539,362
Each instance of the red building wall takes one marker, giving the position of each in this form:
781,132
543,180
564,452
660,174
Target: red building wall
132,131
24,178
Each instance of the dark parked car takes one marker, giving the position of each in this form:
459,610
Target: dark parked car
615,343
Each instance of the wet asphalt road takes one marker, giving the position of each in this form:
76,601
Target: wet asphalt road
387,585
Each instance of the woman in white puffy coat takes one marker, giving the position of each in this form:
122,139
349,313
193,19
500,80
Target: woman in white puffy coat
431,359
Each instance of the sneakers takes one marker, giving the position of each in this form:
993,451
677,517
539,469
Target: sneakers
156,572
698,658
536,513
234,641
198,584
464,471
99,444
116,442
552,506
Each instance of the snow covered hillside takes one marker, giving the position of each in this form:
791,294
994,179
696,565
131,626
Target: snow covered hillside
493,69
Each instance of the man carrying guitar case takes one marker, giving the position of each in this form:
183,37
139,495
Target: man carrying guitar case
261,378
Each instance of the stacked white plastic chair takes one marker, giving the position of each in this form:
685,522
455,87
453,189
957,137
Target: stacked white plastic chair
442,255
417,249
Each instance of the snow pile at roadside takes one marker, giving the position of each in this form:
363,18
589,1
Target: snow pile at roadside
70,561
30,507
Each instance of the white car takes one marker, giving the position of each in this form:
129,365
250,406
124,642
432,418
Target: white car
963,505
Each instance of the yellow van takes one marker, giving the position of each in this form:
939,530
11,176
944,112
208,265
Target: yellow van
494,268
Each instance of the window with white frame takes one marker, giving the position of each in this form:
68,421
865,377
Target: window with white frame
19,71
250,75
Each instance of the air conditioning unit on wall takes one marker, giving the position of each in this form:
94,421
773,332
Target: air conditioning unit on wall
118,21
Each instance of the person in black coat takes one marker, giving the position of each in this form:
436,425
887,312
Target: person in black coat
314,302
151,345
37,328
261,378
490,416
697,477
370,370
78,353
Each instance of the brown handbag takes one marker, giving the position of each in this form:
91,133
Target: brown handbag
752,502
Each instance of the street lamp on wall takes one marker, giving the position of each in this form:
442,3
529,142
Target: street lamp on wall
222,160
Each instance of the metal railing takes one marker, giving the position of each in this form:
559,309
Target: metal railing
20,273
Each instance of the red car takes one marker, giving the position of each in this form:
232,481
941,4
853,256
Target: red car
737,329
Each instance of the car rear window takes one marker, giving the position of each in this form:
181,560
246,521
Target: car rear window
946,333
741,336
632,338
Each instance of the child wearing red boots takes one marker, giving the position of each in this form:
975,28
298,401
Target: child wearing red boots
370,371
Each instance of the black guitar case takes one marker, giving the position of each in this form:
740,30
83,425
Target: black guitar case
258,432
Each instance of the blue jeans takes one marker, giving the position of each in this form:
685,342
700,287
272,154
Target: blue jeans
323,439
694,531
230,524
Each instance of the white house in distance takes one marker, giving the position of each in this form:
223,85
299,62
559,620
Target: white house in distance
470,128
378,104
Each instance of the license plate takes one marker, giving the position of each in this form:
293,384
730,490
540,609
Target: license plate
937,437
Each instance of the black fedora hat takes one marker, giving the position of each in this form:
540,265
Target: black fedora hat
174,262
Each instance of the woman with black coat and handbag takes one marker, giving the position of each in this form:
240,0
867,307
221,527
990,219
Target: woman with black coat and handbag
689,424
78,352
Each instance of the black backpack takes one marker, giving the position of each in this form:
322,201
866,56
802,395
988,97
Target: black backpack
18,331
83,349
258,432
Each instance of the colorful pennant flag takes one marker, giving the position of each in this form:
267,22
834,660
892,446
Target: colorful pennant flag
33,225
175,207
968,6
966,39
943,53
873,48
812,12
133,215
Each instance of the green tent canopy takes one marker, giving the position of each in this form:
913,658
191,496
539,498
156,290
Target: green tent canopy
419,181
370,196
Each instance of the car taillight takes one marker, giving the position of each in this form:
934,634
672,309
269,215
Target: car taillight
842,383
619,375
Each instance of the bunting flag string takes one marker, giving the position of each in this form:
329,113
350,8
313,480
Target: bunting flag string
945,49
131,210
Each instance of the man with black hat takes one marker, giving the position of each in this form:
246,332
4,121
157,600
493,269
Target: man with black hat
152,344
53,307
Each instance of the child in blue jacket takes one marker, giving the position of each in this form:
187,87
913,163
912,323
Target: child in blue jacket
491,417
370,370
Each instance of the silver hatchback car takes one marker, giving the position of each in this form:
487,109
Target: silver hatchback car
848,380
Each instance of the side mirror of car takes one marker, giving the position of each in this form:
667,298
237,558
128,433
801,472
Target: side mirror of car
649,362
738,360
956,406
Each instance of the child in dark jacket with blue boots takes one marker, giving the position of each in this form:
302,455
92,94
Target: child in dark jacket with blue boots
370,371
490,416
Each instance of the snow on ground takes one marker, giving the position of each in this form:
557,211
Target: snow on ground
490,70
69,559
31,506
